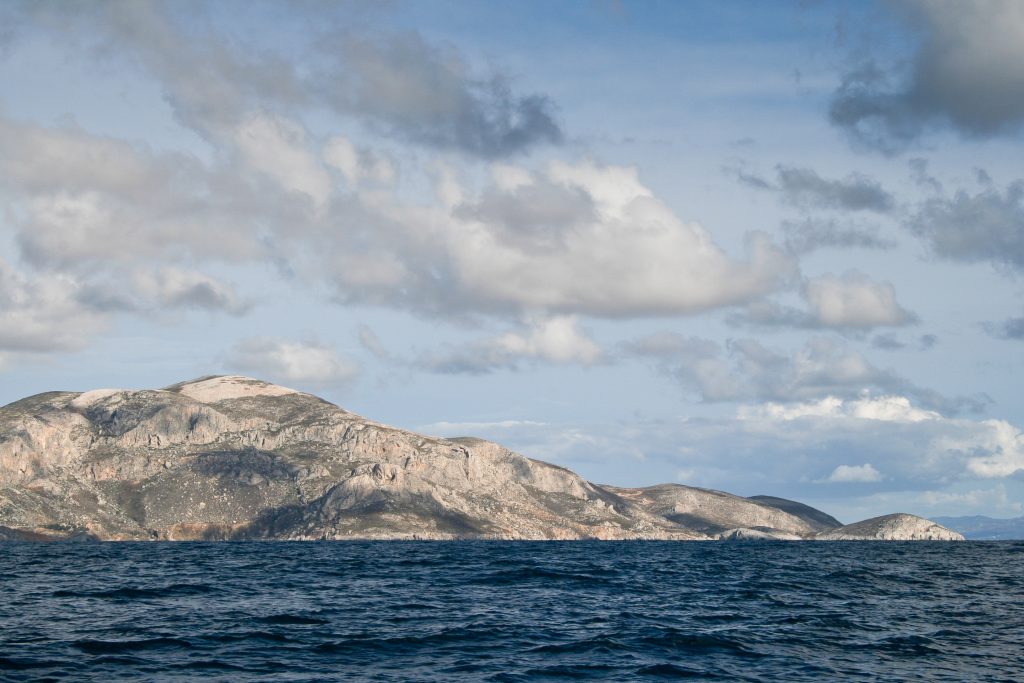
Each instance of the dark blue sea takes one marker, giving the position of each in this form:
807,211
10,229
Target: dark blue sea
491,611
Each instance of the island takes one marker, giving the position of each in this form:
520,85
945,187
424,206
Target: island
236,458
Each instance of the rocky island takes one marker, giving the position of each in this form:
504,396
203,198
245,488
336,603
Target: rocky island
235,458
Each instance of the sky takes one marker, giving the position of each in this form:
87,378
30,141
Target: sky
767,248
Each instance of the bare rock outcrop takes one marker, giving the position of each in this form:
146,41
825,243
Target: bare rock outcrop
231,457
895,527
815,519
713,512
759,534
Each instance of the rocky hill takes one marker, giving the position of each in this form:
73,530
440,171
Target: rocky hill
895,527
235,458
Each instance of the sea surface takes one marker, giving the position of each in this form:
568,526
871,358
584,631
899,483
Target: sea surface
495,611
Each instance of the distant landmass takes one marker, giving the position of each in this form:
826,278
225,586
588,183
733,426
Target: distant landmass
981,528
235,458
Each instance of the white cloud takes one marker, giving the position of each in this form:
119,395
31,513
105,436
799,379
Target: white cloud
854,301
854,474
308,363
39,314
557,340
746,370
882,408
848,302
995,449
357,165
278,148
170,287
577,239
937,448
630,256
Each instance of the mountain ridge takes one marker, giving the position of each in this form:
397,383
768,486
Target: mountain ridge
228,457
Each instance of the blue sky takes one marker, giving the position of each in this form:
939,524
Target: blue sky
761,247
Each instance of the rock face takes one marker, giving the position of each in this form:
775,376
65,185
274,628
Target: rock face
816,519
714,512
895,527
236,458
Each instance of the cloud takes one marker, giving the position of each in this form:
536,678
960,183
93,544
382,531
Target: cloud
986,226
811,234
358,165
169,287
398,84
1011,328
87,202
919,447
923,460
43,314
967,73
405,87
571,239
854,301
887,342
805,189
558,340
277,147
309,363
848,302
854,474
882,408
599,243
745,370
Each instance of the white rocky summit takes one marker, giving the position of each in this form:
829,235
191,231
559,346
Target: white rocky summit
231,457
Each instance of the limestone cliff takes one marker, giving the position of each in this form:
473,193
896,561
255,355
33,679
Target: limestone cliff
236,458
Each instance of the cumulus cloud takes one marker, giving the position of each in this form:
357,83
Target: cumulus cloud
277,147
605,246
558,340
920,447
571,239
854,301
967,73
848,302
986,226
804,188
86,201
995,449
859,474
177,288
305,362
745,370
41,314
881,408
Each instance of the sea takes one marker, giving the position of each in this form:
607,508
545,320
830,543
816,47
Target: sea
512,611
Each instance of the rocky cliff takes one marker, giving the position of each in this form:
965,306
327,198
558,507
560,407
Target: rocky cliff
236,458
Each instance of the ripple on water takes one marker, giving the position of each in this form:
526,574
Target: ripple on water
511,611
